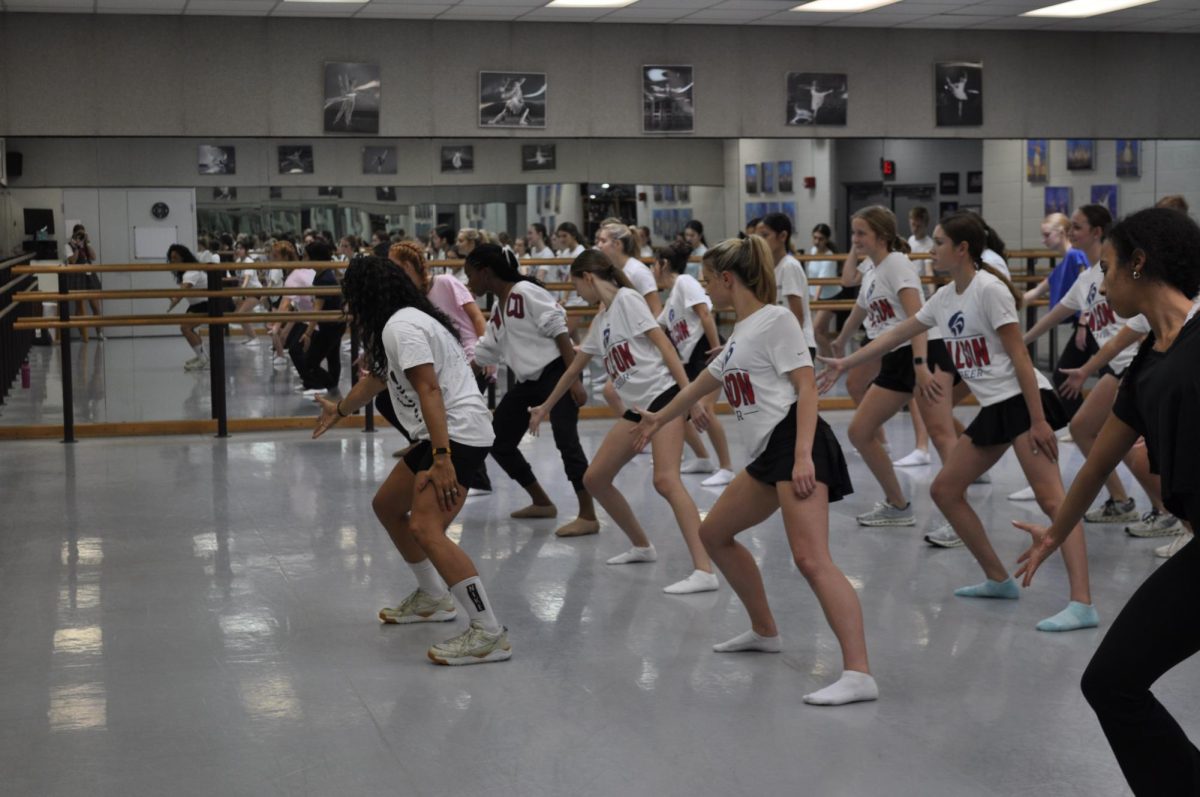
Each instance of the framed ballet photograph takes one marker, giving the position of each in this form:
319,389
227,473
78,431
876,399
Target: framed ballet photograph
538,158
974,182
352,94
385,193
817,98
295,159
458,159
1105,195
1081,154
334,191
751,178
1058,200
784,170
275,192
1037,160
789,209
214,159
768,177
658,192
683,193
668,103
958,93
512,99
379,160
668,193
224,193
946,208
1129,157
948,183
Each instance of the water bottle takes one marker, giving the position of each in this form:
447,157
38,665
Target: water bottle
25,375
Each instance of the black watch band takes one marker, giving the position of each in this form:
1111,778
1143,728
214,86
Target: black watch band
918,360
439,451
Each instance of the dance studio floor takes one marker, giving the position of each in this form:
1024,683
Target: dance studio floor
192,616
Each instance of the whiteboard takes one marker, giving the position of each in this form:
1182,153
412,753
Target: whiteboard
151,243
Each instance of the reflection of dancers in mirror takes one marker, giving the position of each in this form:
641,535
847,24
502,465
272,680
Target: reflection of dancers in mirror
798,466
347,98
960,91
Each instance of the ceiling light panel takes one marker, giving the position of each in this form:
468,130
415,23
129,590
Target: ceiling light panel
1079,9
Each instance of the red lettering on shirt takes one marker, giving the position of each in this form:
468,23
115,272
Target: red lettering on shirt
515,307
679,332
880,311
738,389
496,321
619,360
1101,316
971,353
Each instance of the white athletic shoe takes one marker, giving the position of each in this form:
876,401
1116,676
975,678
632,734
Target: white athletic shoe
1155,524
884,514
1023,495
718,479
477,492
698,581
697,465
1172,548
314,391
915,459
196,363
473,646
420,607
634,555
943,537
1113,511
1065,437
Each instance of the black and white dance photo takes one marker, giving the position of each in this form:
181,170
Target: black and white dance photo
538,158
958,93
352,94
512,99
295,159
458,159
817,98
667,99
214,159
379,160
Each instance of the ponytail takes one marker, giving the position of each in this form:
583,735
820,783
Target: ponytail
777,223
596,263
501,262
965,225
750,259
882,222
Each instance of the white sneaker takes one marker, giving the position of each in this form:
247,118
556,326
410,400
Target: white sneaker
476,492
196,364
915,459
698,581
1172,548
1065,437
943,537
634,555
884,514
718,479
1023,495
697,465
314,391
1155,524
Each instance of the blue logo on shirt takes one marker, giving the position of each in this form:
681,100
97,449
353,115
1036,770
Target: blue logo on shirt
671,315
1091,295
728,353
957,323
606,331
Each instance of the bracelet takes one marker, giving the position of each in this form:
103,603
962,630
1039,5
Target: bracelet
338,409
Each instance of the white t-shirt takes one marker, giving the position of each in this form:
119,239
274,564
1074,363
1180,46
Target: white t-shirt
249,275
879,294
640,275
969,322
634,364
790,280
762,350
412,338
1139,324
818,269
521,333
544,252
694,268
993,259
681,321
647,251
920,245
1085,297
199,281
572,253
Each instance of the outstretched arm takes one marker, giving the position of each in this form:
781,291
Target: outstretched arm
897,335
1055,316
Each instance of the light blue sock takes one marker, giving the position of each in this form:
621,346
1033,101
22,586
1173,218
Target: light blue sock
1077,615
1006,589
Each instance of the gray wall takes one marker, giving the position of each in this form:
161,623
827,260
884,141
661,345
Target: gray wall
112,75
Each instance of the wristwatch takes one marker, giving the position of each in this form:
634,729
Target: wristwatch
918,360
438,451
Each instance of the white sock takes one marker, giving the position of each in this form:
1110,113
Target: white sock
427,578
852,687
633,555
750,641
199,349
471,595
698,581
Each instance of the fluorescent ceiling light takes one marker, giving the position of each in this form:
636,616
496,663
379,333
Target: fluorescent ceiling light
1085,8
589,3
844,6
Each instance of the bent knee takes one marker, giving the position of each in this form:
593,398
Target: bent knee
944,491
666,483
860,434
595,482
811,566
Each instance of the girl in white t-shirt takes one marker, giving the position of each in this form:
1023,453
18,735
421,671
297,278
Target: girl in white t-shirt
797,464
646,373
822,244
413,352
191,277
693,236
891,293
791,281
692,328
1089,226
977,312
248,279
527,332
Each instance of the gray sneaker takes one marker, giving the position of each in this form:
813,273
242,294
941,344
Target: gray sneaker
1112,511
473,646
420,607
884,514
1155,524
943,537
1172,548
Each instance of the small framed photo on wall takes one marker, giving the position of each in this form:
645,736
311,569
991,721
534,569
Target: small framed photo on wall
958,93
668,104
785,177
351,98
458,159
1105,195
512,99
1129,157
974,182
948,183
816,98
768,177
1081,154
751,178
538,158
1037,160
1058,200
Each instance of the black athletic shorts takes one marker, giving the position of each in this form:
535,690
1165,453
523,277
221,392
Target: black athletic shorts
896,371
775,463
663,400
465,459
939,355
1002,422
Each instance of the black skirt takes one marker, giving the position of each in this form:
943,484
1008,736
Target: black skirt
699,359
664,398
465,459
1001,423
775,463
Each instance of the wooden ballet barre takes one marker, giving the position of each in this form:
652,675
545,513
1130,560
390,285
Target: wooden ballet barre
177,293
173,320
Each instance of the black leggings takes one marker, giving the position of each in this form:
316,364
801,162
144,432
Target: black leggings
326,344
1072,357
512,420
1154,632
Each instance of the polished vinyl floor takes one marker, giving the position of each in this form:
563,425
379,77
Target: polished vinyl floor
188,616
